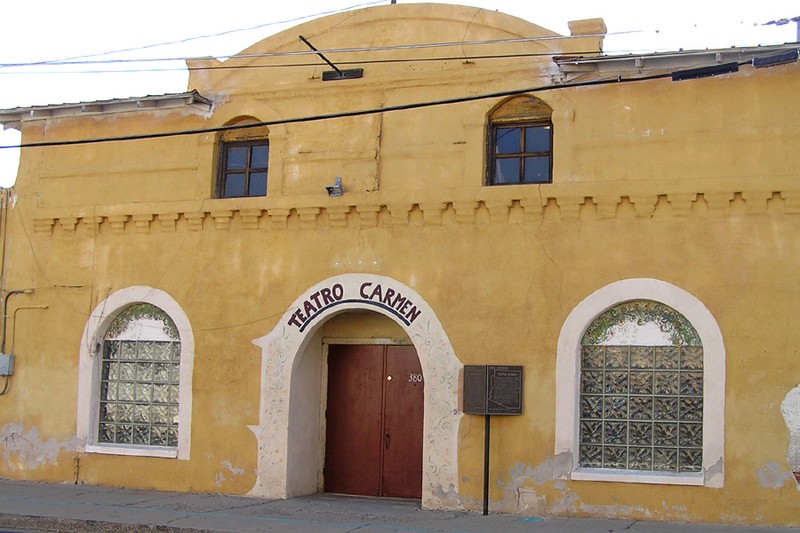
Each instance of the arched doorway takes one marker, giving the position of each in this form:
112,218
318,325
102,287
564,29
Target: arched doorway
291,421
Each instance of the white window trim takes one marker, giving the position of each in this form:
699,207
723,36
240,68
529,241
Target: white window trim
89,372
568,380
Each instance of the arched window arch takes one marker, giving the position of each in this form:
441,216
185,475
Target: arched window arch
135,376
641,391
641,387
520,142
140,379
243,160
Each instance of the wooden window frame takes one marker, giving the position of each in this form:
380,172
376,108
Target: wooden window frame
493,156
223,172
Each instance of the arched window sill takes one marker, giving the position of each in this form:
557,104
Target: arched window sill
139,451
635,476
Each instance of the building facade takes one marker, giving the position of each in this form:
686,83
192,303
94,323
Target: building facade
272,283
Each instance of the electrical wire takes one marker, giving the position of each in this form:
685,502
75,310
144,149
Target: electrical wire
303,65
344,114
210,36
296,53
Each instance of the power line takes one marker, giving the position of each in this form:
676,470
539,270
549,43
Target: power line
445,44
302,65
344,114
208,36
74,60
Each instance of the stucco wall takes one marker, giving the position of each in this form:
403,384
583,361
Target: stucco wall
692,183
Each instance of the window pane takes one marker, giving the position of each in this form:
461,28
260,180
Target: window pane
537,169
237,158
507,140
259,156
158,436
234,185
258,184
137,394
632,398
537,139
507,170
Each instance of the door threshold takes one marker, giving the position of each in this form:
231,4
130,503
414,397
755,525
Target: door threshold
378,499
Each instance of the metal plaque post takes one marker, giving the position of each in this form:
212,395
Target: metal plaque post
491,390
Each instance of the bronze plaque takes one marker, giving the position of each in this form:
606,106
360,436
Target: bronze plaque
475,389
492,390
504,390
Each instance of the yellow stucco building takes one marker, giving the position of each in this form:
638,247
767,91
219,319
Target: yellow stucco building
272,284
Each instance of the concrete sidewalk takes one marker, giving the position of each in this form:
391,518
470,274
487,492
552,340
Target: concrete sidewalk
71,508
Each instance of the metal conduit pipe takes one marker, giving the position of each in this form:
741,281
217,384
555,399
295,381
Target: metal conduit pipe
5,315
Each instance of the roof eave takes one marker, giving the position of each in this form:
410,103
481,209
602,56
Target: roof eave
573,67
15,117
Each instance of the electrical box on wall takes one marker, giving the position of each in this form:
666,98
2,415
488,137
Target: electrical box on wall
6,364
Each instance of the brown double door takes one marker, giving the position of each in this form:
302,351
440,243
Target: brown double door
374,417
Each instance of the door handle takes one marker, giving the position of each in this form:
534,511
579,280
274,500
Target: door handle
386,440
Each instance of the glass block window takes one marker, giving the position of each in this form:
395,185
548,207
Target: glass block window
641,391
139,382
243,170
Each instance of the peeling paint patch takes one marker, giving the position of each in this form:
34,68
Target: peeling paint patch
519,496
677,513
618,512
714,474
772,476
445,499
549,470
27,451
790,409
228,472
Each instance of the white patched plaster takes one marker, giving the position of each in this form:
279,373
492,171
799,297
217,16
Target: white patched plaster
142,329
517,486
282,352
790,409
26,450
228,472
772,475
523,492
529,481
630,333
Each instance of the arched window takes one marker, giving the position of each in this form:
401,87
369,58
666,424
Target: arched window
140,379
640,387
243,161
135,376
520,142
641,391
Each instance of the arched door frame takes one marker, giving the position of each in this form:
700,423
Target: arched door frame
281,354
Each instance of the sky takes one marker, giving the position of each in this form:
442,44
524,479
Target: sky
34,32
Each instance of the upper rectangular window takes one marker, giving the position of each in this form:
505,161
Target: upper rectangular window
520,142
520,154
243,169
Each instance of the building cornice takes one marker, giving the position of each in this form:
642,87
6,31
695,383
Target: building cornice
13,118
517,205
633,65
